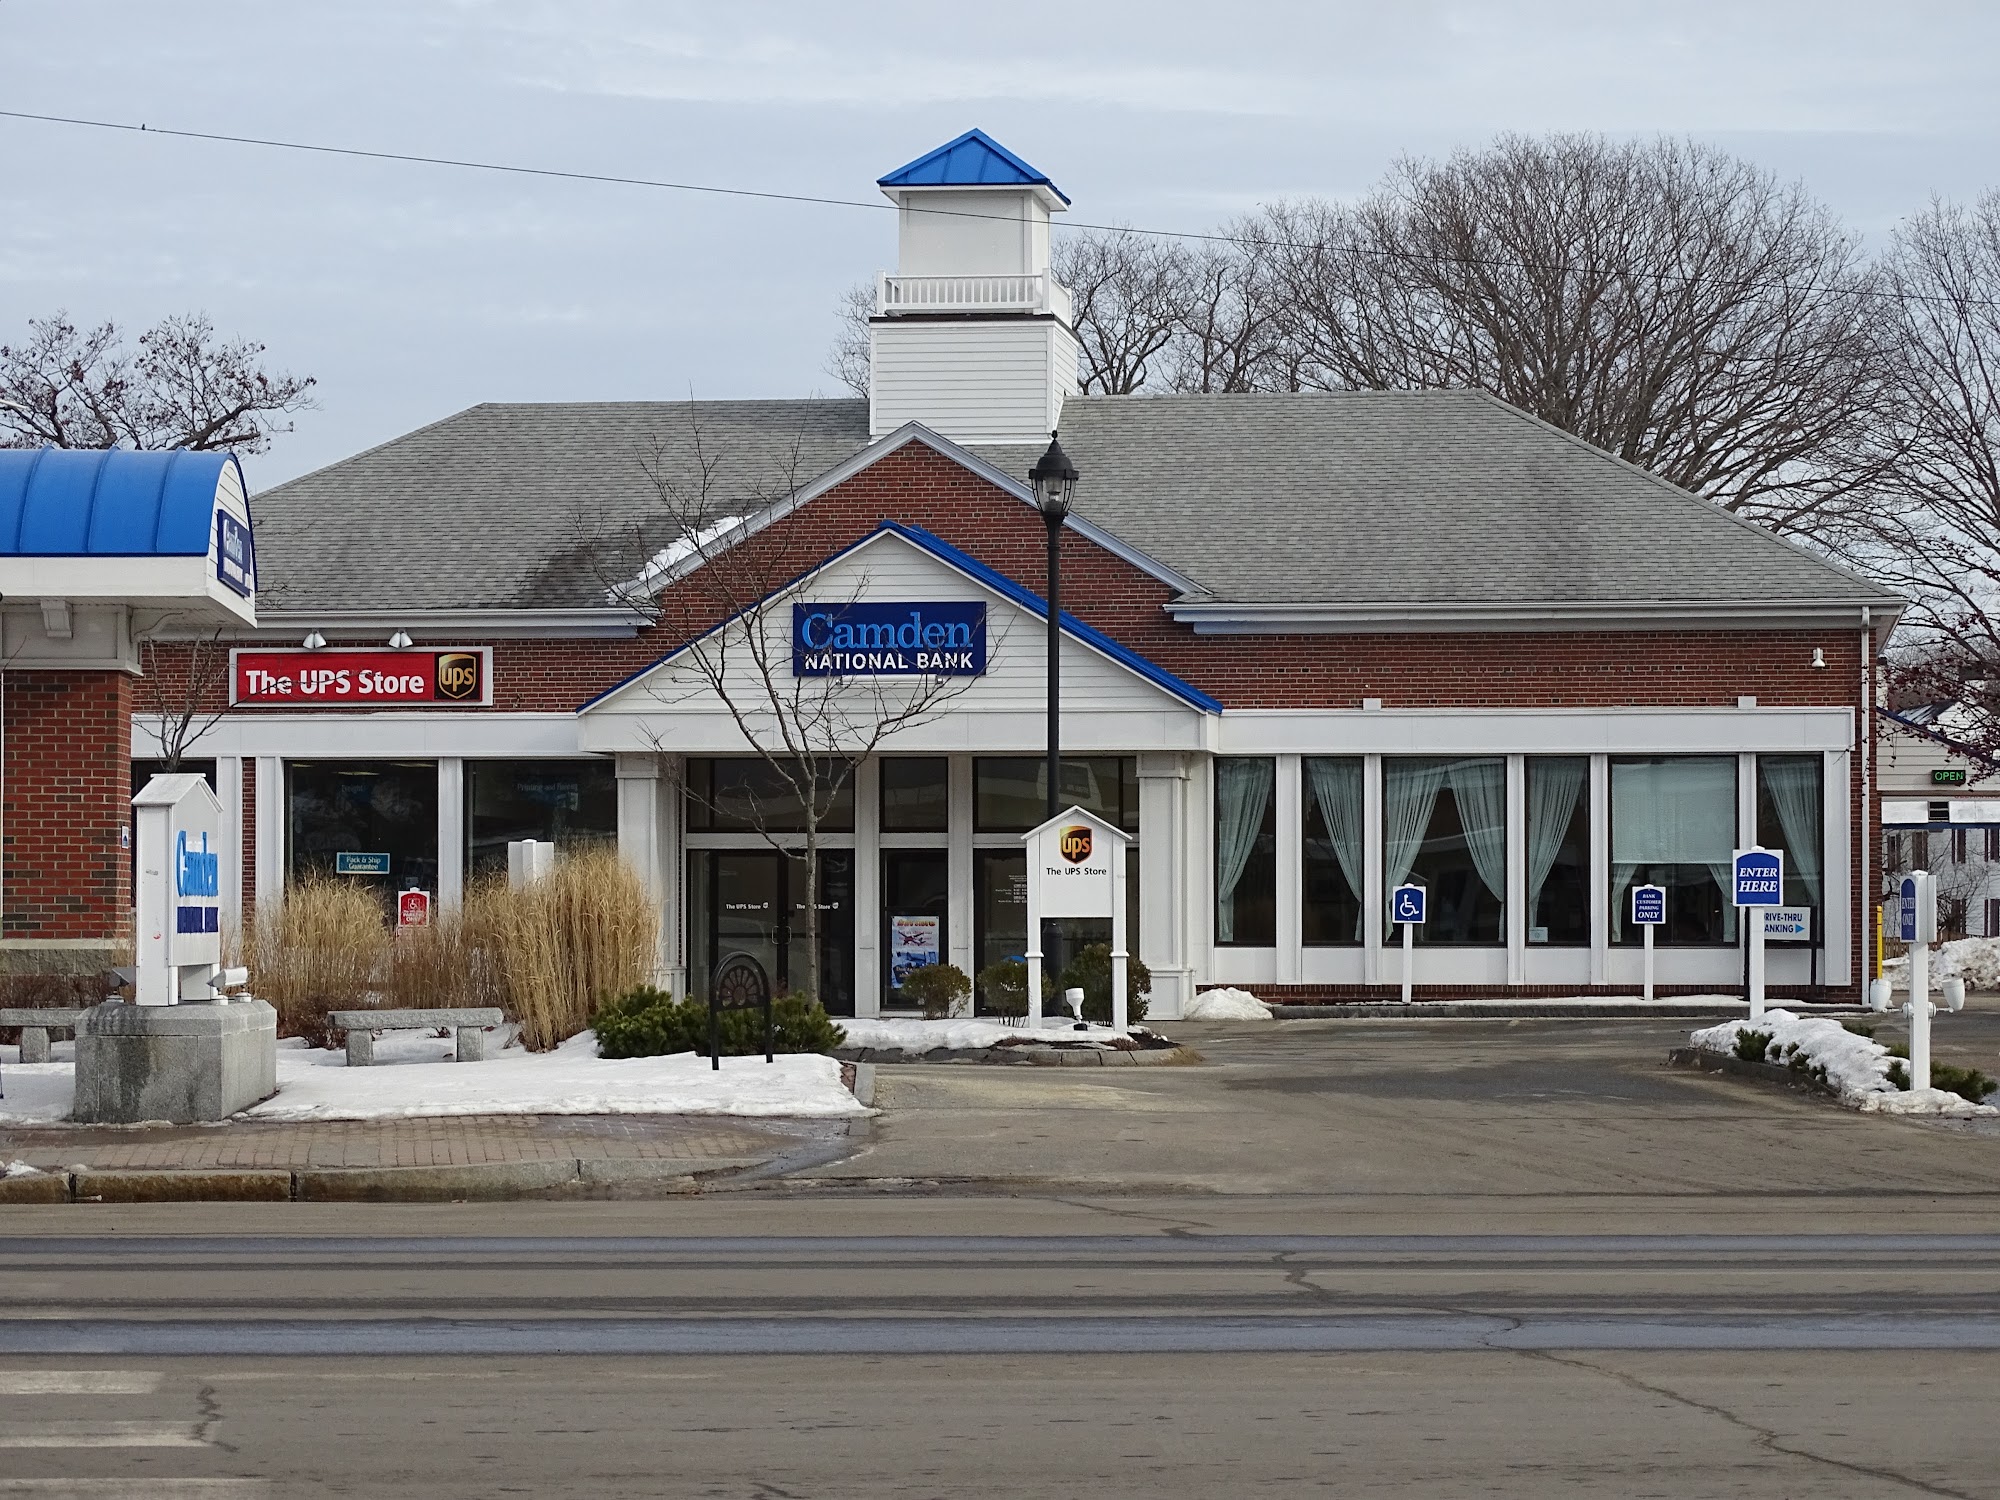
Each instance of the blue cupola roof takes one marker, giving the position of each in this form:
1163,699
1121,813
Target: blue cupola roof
975,159
95,502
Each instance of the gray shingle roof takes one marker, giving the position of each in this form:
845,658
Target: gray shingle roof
1394,498
1408,497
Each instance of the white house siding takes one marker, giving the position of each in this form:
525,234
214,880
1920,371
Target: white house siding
995,380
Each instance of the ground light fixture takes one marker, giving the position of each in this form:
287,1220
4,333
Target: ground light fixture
1054,480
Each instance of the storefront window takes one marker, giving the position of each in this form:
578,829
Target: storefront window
1246,852
1444,827
387,809
747,924
916,794
1010,794
745,795
1789,817
1000,914
1673,824
1559,850
570,803
916,892
1331,851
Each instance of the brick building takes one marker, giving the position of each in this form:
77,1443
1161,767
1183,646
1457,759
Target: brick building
1313,646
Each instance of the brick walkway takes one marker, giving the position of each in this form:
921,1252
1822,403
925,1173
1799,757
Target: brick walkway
457,1140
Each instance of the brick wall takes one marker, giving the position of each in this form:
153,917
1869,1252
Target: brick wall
67,798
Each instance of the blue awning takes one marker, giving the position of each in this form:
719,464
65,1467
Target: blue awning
57,502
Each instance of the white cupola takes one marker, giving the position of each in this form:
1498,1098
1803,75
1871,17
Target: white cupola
971,334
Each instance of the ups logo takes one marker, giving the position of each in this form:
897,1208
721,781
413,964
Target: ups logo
458,674
1075,843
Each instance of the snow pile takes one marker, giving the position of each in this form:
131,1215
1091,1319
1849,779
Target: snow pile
19,1169
1975,960
694,541
896,1035
1857,1067
36,1093
1226,1005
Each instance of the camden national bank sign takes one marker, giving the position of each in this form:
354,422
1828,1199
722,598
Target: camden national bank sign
889,640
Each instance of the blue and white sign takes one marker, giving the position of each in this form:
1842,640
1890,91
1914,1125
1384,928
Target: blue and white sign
360,864
889,640
1788,924
197,885
1649,906
1906,909
235,555
1406,906
178,895
1759,877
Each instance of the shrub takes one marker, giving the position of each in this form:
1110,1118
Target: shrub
1003,987
1859,1028
938,988
1090,971
1969,1084
324,947
1753,1046
647,1022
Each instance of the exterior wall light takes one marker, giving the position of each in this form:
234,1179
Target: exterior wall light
400,641
1819,656
313,641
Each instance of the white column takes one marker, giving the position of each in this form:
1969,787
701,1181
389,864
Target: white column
271,816
1374,899
451,833
868,870
1600,869
958,866
648,841
1836,842
229,792
1517,913
1288,926
1164,866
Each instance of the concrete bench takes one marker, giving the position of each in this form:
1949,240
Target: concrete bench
36,1022
469,1024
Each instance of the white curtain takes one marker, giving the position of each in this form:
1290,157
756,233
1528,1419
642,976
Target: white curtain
1336,787
1793,782
1242,793
1409,792
1679,811
1480,788
1554,784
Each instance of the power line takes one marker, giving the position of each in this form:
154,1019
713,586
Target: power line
816,200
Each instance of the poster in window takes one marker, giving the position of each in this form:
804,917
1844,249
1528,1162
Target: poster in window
913,945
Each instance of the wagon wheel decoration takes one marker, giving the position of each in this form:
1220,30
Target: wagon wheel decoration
740,984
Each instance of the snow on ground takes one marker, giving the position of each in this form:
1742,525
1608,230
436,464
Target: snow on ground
19,1169
1975,960
895,1034
420,1079
1856,1066
1226,1005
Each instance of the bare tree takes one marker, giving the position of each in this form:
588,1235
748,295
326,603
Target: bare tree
850,358
1664,300
1127,293
179,387
1230,331
720,563
183,689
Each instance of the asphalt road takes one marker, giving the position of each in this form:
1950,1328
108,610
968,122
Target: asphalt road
1354,1259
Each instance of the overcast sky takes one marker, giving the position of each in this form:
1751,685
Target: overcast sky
414,291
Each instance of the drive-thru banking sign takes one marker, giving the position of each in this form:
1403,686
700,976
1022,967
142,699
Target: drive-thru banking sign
337,677
1758,881
889,640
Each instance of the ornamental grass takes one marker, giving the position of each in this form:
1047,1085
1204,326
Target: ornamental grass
319,950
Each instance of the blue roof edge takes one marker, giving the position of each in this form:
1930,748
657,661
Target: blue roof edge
1000,583
1030,174
159,471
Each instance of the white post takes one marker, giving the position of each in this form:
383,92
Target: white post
1919,1011
1755,916
1034,979
1409,957
1649,962
1120,1001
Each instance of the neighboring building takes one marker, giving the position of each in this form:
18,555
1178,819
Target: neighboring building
1939,805
1315,645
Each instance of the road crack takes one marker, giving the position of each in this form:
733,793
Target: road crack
1766,1438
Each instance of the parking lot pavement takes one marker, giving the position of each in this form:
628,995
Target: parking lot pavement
1476,1118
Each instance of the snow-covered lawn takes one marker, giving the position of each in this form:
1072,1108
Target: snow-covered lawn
1226,1005
1857,1067
415,1076
1975,960
897,1034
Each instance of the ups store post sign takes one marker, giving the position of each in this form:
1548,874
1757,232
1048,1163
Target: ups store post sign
339,677
889,640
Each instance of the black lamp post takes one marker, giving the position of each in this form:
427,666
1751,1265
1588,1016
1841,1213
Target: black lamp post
1054,479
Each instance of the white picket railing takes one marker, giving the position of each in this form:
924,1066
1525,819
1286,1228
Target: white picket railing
1038,293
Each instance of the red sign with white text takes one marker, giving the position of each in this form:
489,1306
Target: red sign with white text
341,677
413,909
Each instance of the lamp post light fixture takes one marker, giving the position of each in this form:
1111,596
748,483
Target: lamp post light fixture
1054,481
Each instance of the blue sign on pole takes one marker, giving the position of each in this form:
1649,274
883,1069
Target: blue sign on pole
1649,906
1906,919
889,640
1406,905
235,556
361,864
1760,877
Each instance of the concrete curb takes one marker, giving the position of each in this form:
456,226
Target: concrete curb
493,1179
1030,1056
864,1083
167,1186
43,1187
1701,1060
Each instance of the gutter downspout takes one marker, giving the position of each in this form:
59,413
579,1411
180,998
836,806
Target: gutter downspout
1871,957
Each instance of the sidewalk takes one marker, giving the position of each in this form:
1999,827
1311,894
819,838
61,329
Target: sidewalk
421,1159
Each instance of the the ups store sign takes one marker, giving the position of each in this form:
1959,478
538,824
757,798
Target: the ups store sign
348,677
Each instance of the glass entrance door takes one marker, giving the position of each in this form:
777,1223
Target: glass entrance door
747,924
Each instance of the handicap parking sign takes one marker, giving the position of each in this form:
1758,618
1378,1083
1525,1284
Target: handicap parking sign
1760,877
1406,905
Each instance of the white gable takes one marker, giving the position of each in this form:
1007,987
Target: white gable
1107,705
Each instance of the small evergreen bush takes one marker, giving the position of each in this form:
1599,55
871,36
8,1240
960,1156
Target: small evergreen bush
646,1022
937,988
1003,988
1752,1046
1090,971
